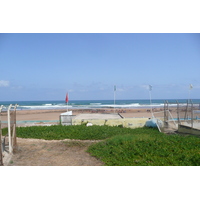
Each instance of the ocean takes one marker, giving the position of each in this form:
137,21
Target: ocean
93,104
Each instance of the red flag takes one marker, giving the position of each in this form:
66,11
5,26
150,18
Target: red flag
66,99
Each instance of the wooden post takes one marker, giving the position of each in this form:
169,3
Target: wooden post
186,111
178,112
14,129
192,122
9,130
1,157
114,96
13,138
165,112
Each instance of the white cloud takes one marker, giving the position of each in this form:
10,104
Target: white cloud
17,87
4,83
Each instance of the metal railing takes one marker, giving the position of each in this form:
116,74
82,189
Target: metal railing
176,113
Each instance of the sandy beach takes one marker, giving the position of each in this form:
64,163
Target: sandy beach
32,115
53,115
46,117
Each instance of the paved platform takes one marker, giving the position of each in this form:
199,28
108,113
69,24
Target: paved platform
98,116
195,124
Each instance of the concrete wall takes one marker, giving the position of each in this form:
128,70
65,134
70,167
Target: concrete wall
125,122
188,130
66,119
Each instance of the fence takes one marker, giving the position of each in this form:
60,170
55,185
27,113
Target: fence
176,113
8,142
1,148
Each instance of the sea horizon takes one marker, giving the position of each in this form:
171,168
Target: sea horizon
93,104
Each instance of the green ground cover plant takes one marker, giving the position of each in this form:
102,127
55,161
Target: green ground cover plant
125,146
148,149
59,132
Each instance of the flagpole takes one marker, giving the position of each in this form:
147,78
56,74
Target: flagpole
114,96
67,100
150,89
150,101
190,88
189,94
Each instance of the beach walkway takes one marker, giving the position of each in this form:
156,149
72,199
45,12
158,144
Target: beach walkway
97,116
35,152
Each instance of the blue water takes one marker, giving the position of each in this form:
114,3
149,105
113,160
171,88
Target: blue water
89,104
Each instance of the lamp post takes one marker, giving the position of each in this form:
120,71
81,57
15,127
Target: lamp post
150,89
114,96
190,88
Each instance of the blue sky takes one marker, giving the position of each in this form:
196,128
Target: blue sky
46,66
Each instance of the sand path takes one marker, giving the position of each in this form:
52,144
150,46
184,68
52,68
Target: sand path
34,152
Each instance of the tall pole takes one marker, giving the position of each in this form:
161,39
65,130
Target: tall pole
150,89
14,128
67,100
1,157
190,88
114,96
9,129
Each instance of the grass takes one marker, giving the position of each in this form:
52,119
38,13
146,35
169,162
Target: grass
152,149
59,132
125,146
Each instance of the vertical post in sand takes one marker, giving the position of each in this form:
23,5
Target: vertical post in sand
14,136
67,106
67,99
9,130
150,89
1,157
190,88
114,96
178,112
192,116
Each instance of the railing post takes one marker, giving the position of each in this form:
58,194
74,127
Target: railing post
14,136
9,130
186,111
1,157
178,112
165,113
191,113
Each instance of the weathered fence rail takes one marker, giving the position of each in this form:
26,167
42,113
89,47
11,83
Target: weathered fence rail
8,142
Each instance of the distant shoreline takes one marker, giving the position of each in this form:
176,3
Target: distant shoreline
93,104
44,115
